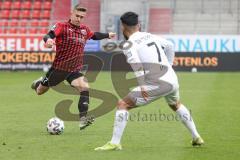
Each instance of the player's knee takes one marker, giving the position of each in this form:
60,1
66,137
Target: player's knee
121,105
81,85
174,106
85,87
82,88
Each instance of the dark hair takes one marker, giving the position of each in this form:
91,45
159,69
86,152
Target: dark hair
129,18
79,8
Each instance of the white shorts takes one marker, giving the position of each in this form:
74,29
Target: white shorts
164,89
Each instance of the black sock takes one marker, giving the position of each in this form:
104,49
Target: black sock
83,103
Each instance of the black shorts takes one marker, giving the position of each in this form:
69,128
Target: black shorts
55,76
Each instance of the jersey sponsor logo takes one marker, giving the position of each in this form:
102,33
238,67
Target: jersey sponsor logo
80,40
83,32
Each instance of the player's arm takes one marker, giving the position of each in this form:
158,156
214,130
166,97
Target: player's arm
168,48
136,64
51,35
49,39
134,60
100,36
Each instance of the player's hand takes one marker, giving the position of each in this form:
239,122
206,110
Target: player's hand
50,42
111,35
144,93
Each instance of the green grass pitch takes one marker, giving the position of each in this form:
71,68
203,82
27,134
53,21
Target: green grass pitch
214,100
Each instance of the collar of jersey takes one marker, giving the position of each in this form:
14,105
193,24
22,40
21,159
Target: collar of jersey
69,21
133,35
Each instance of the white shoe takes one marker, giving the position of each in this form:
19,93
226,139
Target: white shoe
109,147
197,141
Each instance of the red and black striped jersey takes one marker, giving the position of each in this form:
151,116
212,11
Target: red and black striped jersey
70,43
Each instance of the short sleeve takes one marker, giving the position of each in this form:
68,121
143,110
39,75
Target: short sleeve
89,33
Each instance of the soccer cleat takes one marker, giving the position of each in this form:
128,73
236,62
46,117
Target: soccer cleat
85,122
197,141
36,82
109,147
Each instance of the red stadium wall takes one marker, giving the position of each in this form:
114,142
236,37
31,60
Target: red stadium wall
25,17
160,20
93,16
61,10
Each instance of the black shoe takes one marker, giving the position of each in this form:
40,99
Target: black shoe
85,122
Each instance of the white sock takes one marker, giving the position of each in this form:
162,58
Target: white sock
120,123
187,120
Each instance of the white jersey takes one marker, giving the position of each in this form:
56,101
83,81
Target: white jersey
151,58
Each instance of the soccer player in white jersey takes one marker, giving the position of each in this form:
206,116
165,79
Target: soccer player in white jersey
151,59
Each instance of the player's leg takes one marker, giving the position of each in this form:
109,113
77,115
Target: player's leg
185,116
53,77
121,118
133,99
82,86
78,81
120,122
41,89
40,85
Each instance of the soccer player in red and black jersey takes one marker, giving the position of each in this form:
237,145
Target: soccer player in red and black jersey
70,39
